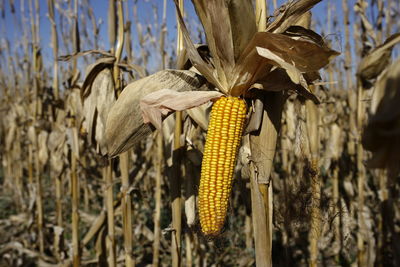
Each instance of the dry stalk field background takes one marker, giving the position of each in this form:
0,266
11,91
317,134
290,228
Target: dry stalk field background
199,133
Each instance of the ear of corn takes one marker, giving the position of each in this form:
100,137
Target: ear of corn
220,152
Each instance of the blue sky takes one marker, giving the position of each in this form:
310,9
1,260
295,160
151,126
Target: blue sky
11,29
11,24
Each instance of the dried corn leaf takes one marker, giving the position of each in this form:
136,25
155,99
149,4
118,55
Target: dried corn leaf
206,69
55,143
304,54
335,141
243,23
73,140
291,15
125,126
43,150
296,56
227,34
84,53
236,64
160,104
291,70
11,126
290,119
378,59
32,135
204,53
74,106
97,105
15,245
275,81
227,17
360,8
92,72
214,15
299,32
248,70
296,81
200,115
192,177
256,116
382,133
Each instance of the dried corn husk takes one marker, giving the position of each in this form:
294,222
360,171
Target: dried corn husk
97,104
126,115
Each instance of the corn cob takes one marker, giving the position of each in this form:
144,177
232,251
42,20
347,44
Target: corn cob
220,152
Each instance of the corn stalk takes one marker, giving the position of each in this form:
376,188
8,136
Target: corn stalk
361,175
388,18
76,249
175,180
336,206
54,41
312,121
126,201
107,171
175,184
109,203
361,178
35,29
263,145
159,158
24,22
157,197
76,253
58,181
39,199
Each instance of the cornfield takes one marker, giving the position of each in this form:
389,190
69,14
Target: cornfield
200,133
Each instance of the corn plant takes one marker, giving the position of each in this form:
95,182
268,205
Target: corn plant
123,141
